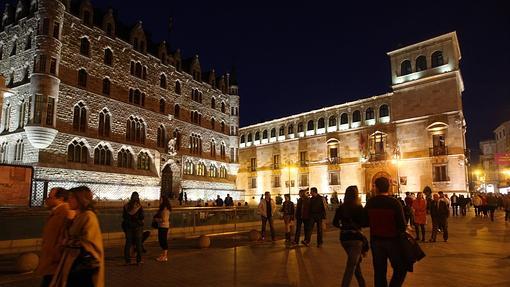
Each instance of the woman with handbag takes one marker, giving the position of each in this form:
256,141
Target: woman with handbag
162,218
349,217
82,263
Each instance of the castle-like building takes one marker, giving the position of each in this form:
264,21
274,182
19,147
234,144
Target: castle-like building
92,101
413,135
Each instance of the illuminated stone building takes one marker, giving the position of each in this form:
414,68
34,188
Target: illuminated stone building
95,102
494,174
415,133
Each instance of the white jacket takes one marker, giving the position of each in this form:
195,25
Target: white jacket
263,207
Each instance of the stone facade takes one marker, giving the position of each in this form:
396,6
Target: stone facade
414,135
494,174
78,79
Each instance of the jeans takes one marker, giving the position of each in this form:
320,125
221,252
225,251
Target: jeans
417,227
271,227
300,222
382,250
133,236
163,238
353,249
439,223
308,235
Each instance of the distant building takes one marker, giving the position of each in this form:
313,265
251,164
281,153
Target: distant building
413,135
95,102
495,161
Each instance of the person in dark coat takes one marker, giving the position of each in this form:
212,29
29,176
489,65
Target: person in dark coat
439,213
219,201
302,215
288,216
132,224
317,214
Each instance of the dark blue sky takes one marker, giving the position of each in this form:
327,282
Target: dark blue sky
295,56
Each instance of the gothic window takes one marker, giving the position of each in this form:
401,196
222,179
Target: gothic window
332,121
161,137
104,123
177,111
82,78
135,130
132,68
4,152
222,150
369,114
13,51
144,73
188,167
50,111
437,59
162,81
177,137
421,63
290,129
223,172
162,106
106,86
138,70
310,126
22,114
108,57
80,117
223,107
125,158
320,123
384,111
213,103
281,131
28,42
102,155
344,119
405,68
77,152
213,124
178,87
7,117
85,47
356,116
195,144
144,161
201,169
222,127
213,171
56,30
1,52
213,148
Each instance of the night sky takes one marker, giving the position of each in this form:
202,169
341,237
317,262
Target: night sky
294,56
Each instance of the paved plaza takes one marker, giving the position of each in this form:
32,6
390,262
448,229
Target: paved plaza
477,254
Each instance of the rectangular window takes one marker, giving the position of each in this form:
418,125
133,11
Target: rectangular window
56,30
42,64
302,158
334,178
253,182
276,161
292,183
49,111
303,179
276,181
53,66
333,152
253,164
46,26
440,173
38,108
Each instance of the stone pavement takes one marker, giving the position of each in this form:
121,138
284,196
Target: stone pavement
477,254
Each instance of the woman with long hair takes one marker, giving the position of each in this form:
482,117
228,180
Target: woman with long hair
82,262
132,224
163,219
420,216
349,217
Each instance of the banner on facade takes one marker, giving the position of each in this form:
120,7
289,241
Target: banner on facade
502,158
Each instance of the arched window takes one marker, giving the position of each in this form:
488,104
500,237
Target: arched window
161,137
281,131
257,136
195,144
222,107
178,87
405,67
177,111
102,155
421,63
138,70
188,167
4,152
223,172
437,59
332,121
19,148
108,57
213,103
300,127
356,116
135,130
106,86
162,81
369,114
162,106
250,138
7,117
124,158
213,171
213,148
384,111
104,123
223,152
82,78
201,169
310,126
80,117
213,124
77,152
132,68
177,137
264,134
28,42
273,132
243,139
320,123
290,129
144,161
22,114
144,73
344,119
222,127
85,47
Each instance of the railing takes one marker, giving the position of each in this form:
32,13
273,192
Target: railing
334,160
378,156
438,150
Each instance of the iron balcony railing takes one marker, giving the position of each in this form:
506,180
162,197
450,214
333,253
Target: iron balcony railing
438,151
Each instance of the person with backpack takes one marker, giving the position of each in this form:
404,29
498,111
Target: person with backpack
132,224
350,218
162,218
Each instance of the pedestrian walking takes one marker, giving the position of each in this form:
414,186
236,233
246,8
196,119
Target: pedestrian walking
420,216
302,216
82,262
454,200
463,202
439,213
387,225
477,203
350,218
53,234
132,224
492,204
163,219
267,208
288,217
317,214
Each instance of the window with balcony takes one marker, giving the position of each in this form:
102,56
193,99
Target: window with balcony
276,181
303,159
276,161
253,164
